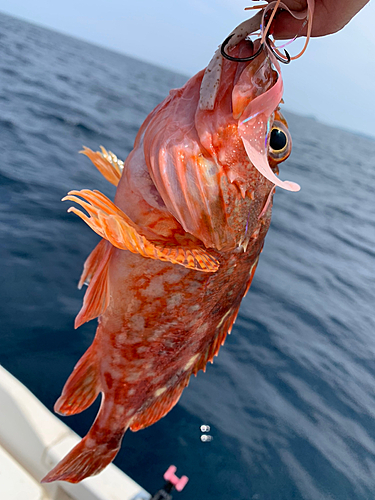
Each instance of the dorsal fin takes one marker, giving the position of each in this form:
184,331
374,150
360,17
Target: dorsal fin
224,327
218,339
96,298
161,406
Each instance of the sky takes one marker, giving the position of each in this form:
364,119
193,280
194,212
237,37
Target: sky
334,81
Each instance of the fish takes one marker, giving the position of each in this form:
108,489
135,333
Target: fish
179,244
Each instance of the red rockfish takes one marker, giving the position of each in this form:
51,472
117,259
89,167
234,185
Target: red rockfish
179,246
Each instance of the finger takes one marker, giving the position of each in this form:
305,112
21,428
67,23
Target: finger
285,27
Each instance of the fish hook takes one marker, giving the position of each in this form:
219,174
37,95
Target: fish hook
251,58
238,59
276,54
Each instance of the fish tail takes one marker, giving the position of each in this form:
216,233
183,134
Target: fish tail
82,387
94,452
85,459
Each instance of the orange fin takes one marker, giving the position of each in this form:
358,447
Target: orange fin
160,407
106,162
81,388
95,451
107,220
91,264
251,275
96,298
83,461
225,326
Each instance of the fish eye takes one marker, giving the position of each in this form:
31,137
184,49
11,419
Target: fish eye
280,143
278,140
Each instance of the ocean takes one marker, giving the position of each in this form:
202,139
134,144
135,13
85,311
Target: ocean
290,400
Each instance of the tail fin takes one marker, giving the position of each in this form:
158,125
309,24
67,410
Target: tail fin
86,459
96,450
82,387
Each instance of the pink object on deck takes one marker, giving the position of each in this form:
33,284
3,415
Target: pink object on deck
178,483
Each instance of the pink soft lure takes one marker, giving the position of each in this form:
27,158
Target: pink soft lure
256,116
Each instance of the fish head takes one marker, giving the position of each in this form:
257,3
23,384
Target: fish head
240,113
207,147
256,97
240,126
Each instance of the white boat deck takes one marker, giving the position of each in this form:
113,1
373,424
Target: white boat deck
32,441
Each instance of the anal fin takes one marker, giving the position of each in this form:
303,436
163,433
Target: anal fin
111,223
82,387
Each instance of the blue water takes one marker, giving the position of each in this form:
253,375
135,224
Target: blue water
291,397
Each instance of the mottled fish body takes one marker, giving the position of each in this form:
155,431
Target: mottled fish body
180,246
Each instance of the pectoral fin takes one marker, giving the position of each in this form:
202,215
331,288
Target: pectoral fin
107,163
107,220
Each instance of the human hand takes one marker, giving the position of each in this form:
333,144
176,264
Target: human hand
330,16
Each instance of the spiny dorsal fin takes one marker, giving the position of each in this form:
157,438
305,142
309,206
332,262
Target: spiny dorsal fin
223,328
111,223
